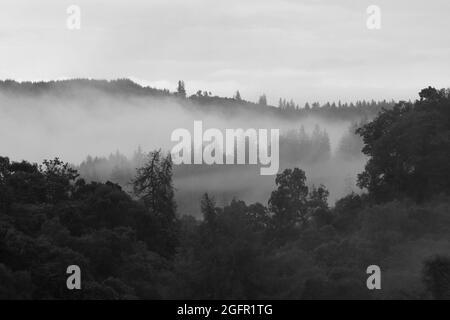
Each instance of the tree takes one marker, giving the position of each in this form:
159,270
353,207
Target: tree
262,100
321,144
318,206
59,178
5,192
237,96
26,182
408,149
153,184
208,208
280,103
289,201
181,90
318,197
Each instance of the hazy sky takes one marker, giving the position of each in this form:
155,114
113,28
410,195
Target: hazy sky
300,49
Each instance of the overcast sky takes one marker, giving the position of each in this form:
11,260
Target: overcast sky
302,49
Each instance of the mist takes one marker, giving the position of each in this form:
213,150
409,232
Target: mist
85,122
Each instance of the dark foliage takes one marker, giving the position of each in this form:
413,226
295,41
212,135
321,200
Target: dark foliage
139,246
436,275
409,149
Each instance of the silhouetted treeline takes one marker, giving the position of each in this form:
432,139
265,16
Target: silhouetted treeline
66,87
202,99
295,247
296,146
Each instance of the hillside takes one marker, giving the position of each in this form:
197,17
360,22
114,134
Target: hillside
203,100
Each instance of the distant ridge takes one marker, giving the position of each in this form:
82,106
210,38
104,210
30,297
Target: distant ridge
204,100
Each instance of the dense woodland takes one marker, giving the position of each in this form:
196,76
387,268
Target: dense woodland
139,244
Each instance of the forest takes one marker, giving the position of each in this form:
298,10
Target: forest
103,127
134,241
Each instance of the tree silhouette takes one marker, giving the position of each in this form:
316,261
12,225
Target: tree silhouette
153,184
262,100
408,149
289,201
237,96
208,208
181,90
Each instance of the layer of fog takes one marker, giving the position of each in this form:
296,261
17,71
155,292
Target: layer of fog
89,122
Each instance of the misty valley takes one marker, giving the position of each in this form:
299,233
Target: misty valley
87,178
105,129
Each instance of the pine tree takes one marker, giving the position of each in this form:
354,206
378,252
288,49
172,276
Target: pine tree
153,185
208,208
181,91
262,100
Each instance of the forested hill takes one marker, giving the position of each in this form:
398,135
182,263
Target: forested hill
203,100
143,246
